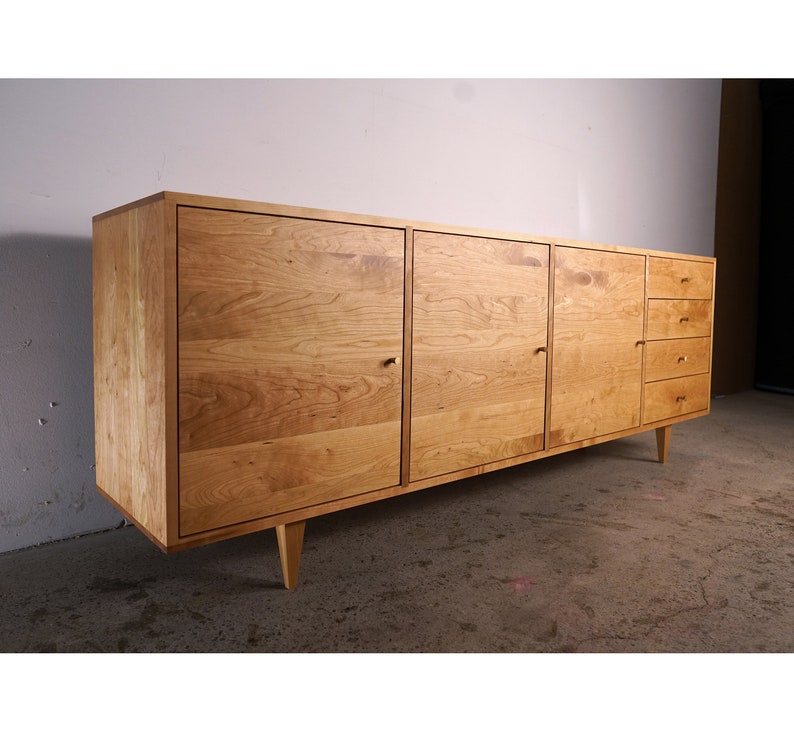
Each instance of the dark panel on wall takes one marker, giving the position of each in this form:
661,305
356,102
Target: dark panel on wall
736,237
775,354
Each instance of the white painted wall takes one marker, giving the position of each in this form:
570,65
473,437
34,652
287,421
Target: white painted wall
624,162
630,162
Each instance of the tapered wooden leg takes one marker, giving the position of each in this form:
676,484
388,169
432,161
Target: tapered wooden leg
290,544
663,441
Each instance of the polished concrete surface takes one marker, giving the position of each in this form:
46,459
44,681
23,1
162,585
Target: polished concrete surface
599,550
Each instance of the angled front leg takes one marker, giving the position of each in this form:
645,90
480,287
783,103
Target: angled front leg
663,441
290,544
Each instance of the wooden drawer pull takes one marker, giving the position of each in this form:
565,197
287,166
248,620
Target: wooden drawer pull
542,349
681,398
686,279
685,319
396,360
682,359
640,343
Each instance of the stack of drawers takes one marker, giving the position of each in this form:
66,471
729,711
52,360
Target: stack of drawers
678,337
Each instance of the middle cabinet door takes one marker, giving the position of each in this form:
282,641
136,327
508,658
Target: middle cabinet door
480,319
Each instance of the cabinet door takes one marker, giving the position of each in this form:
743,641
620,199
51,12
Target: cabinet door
596,380
478,386
287,397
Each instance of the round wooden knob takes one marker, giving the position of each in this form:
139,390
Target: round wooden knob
396,360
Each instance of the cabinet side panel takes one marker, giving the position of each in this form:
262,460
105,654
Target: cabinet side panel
110,255
129,363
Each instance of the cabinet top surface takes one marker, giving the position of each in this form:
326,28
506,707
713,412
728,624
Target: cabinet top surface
273,209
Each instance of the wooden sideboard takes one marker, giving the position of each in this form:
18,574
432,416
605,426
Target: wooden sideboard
256,365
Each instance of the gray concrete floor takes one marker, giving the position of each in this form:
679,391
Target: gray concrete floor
599,550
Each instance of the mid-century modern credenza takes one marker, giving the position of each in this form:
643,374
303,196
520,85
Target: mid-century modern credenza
257,365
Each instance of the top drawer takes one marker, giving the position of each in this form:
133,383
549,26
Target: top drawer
680,279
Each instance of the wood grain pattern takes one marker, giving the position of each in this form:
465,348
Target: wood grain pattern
663,442
408,329
229,485
679,279
461,437
285,330
675,397
597,352
290,544
478,388
221,408
131,282
678,319
679,357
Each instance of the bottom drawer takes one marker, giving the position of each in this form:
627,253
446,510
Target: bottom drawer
673,397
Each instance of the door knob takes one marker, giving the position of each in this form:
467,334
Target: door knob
396,360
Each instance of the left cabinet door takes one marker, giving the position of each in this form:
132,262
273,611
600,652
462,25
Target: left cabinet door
289,395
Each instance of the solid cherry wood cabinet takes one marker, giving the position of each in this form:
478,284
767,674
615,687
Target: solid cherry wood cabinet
256,365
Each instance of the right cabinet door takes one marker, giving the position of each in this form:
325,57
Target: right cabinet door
596,384
480,317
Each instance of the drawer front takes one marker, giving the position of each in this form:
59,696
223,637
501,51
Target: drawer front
674,397
678,319
680,279
679,357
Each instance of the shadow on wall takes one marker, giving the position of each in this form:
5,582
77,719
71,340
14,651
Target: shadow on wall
47,485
